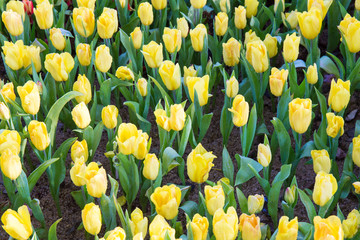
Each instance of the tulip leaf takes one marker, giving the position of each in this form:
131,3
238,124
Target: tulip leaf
283,106
249,131
283,174
310,209
204,125
185,136
36,174
163,92
105,92
242,201
227,166
262,181
169,160
52,230
307,148
324,209
36,210
190,208
230,200
283,139
329,66
108,211
273,198
305,231
78,197
244,174
339,64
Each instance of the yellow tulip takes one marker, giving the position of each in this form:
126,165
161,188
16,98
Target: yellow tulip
86,3
10,139
109,116
77,172
240,17
351,224
167,200
357,5
240,111
30,97
142,86
81,115
141,144
322,5
256,54
356,185
199,164
350,29
198,3
17,7
231,52
310,23
172,39
170,75
325,187
335,125
44,15
199,227
57,39
10,164
232,87
13,22
264,155
159,227
91,218
250,36
277,81
4,112
103,58
96,180
117,234
153,54
328,228
291,18
271,45
126,137
124,73
39,135
339,95
251,7
59,65
197,36
14,53
214,198
107,23
321,161
356,150
221,23
32,54
189,72
255,203
290,194
79,149
287,230
177,117
136,38
200,86
159,5
277,3
249,227
312,74
83,52
84,21
300,111
145,13
151,166
183,26
8,91
83,86
138,223
17,224
122,3
162,119
225,225
291,47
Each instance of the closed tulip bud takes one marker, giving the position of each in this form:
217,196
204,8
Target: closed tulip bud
351,224
122,3
117,234
250,36
30,97
81,115
4,112
153,54
141,144
249,227
197,36
83,86
136,38
84,21
159,227
339,95
57,39
10,139
177,117
256,54
8,92
10,164
321,161
199,164
198,4
138,223
59,65
44,14
240,17
231,52
124,73
290,18
13,22
96,181
271,45
39,135
83,52
251,7
107,23
335,125
189,72
183,26
255,203
310,23
264,155
325,187
277,4
109,116
356,150
221,23
232,87
225,225
77,172
214,198
312,74
199,227
145,13
172,39
16,6
142,86
200,86
126,138
356,185
32,54
291,47
287,230
328,228
14,53
162,119
79,150
103,58
17,224
277,81
29,7
300,111
170,75
167,200
290,195
159,5
86,3
91,218
151,167
240,111
322,5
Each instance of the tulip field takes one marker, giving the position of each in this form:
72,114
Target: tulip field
180,119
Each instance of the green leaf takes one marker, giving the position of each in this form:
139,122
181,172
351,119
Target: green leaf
242,201
273,201
52,230
204,125
36,174
310,209
190,208
185,136
78,197
249,132
283,139
244,174
283,174
169,160
227,166
329,66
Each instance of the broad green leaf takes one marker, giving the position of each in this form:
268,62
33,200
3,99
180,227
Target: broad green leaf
36,174
244,174
227,166
310,209
52,230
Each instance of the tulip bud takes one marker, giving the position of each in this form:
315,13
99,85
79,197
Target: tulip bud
356,185
170,75
10,140
91,218
271,45
14,53
81,115
16,6
10,164
153,54
79,150
197,36
240,17
138,223
172,39
339,95
199,227
356,150
124,73
4,112
96,181
103,58
30,97
199,164
13,22
290,195
325,187
277,3
29,7
127,134
214,198
183,26
151,166
117,234
83,52
300,111
221,23
250,36
162,119
240,111
189,72
107,23
310,23
232,87
39,135
251,7
322,5
255,203
109,116
167,200
231,52
122,3
136,38
142,86
145,13
277,81
351,224
159,228
249,227
290,18
59,65
32,54
141,144
44,14
17,224
201,87
312,74
256,54
335,125
287,230
159,5
198,4
291,47
8,91
177,117
77,172
264,155
57,39
83,86
328,228
321,161
228,221
84,21
86,3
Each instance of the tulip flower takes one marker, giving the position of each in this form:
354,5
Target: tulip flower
277,81
256,54
141,144
322,5
240,111
271,45
249,227
199,227
109,116
124,73
351,224
250,36
57,39
290,194
287,230
335,125
231,52
39,135
153,54
214,198
32,55
290,18
79,149
356,150
151,166
17,224
18,7
310,23
197,36
291,47
172,39
117,234
44,14
14,53
276,5
103,58
10,163
225,225
166,200
170,75
240,17
232,87
91,218
198,4
159,227
96,180
142,86
255,203
221,23
136,38
4,112
81,115
86,3
145,13
200,86
122,3
83,86
177,117
189,72
77,172
28,7
328,228
339,95
83,52
357,5
107,23
84,21
300,111
224,5
138,223
10,139
30,97
183,26
312,74
356,185
199,164
325,187
13,22
162,119
264,155
251,7
59,65
126,137
159,5
8,91
321,161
